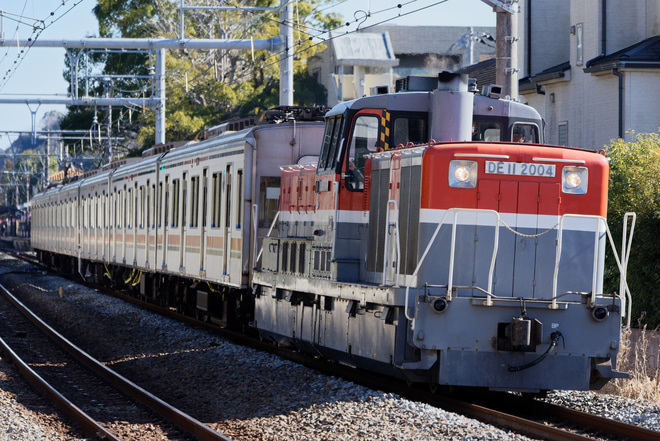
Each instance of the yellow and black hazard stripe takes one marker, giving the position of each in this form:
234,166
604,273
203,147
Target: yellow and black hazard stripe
385,130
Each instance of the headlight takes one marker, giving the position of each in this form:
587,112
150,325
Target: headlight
575,180
463,174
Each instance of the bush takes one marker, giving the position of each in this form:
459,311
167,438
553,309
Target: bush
635,186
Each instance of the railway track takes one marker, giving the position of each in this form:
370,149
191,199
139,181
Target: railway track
101,402
532,418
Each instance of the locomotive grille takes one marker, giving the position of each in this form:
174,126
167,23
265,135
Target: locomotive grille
411,185
380,185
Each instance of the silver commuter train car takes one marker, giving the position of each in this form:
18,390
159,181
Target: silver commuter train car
176,214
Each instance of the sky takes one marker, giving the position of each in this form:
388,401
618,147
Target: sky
38,72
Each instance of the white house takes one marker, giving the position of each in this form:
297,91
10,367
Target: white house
591,68
368,62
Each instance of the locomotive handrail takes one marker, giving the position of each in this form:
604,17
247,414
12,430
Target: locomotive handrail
625,296
624,290
386,244
336,221
626,243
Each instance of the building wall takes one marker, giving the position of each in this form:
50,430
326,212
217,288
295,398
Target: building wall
635,20
589,102
550,20
642,111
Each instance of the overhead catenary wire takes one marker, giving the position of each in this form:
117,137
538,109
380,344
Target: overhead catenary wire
36,33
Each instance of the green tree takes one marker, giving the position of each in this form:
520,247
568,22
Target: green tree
203,87
635,186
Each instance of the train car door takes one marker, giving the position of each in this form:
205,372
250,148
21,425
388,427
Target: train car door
105,232
112,253
165,206
205,224
193,229
184,228
151,226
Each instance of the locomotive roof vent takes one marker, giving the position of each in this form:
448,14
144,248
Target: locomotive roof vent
492,91
443,81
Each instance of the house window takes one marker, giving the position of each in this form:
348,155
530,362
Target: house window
562,133
578,36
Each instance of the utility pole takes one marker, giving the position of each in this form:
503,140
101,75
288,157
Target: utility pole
506,45
286,53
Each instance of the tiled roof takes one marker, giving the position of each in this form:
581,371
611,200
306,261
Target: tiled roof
483,72
646,53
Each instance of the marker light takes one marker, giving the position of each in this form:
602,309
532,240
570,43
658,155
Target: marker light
463,174
575,180
600,313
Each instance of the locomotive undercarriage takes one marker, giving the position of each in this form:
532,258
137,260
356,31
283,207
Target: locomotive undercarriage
363,328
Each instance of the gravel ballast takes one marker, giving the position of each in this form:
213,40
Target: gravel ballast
243,393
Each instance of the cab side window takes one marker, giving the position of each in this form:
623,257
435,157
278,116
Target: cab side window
364,140
528,133
408,130
486,131
334,127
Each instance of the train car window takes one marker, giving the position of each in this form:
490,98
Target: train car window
166,207
141,204
120,208
152,207
228,197
89,212
159,206
113,205
175,202
364,140
216,180
184,199
239,209
407,130
204,198
194,202
522,132
486,131
269,199
129,207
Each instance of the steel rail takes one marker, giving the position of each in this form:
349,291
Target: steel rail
170,413
79,417
480,409
595,422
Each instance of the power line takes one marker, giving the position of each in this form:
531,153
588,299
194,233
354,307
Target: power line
36,33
